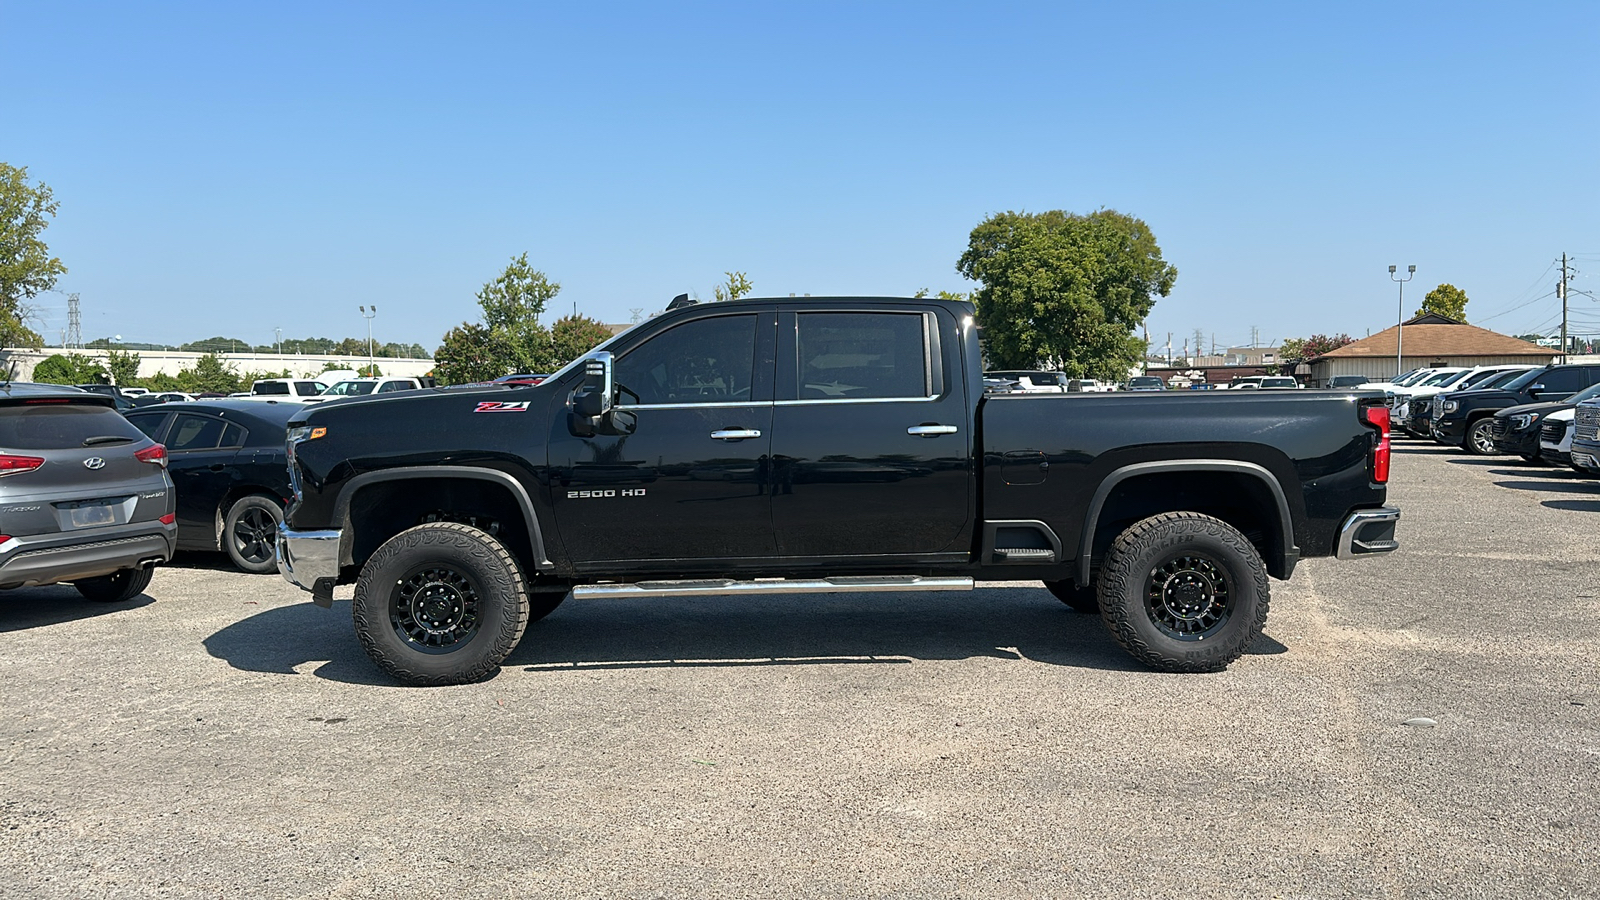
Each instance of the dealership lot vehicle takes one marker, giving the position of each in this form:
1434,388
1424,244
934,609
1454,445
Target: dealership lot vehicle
837,441
224,738
84,496
229,468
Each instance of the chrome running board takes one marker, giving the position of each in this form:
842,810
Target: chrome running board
837,584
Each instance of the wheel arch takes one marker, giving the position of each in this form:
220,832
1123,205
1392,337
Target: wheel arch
1277,548
372,494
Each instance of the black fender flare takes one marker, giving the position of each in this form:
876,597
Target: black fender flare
1290,553
341,509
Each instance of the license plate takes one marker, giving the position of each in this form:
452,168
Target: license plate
86,516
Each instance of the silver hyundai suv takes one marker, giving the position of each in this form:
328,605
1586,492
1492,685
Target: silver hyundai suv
84,495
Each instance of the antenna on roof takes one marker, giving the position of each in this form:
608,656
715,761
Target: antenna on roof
679,302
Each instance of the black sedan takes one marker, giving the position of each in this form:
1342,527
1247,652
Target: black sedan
230,472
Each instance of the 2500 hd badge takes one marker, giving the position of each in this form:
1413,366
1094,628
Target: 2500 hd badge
596,495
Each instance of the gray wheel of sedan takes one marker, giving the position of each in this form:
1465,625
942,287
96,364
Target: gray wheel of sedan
250,532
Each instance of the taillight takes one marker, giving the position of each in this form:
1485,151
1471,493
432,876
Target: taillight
168,519
155,453
11,465
1378,417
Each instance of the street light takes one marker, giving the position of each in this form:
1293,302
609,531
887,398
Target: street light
369,317
1400,316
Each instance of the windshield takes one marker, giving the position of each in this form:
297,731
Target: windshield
1144,381
350,389
1443,378
1414,377
1489,376
1517,383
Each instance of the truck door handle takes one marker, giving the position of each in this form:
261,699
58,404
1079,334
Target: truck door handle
931,430
735,434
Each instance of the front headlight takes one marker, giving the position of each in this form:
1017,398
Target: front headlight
1524,421
1451,406
298,433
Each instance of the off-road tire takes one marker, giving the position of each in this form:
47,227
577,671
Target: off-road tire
1082,599
1132,610
124,584
1478,439
250,533
431,573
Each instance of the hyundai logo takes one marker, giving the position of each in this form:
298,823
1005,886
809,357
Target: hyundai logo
94,462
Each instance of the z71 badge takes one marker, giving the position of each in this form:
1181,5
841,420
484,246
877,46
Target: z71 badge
493,406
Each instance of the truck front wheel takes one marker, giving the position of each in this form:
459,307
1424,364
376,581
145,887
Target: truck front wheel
441,603
1184,592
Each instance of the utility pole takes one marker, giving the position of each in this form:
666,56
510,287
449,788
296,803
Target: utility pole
1400,320
1561,291
1169,349
1199,341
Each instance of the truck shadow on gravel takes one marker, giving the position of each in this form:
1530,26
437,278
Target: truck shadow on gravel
38,607
279,640
718,632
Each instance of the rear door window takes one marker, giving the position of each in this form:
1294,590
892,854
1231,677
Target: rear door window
149,423
60,426
192,432
862,356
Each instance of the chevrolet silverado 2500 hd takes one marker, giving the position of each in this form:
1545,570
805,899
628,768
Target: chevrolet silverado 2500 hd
811,445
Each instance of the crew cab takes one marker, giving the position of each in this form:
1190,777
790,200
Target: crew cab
1466,419
808,445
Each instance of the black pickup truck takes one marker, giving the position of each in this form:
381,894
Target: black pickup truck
813,445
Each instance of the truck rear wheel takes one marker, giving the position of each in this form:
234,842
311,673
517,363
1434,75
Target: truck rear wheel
1082,599
441,603
1184,592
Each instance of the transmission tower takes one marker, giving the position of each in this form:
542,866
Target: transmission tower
74,337
638,316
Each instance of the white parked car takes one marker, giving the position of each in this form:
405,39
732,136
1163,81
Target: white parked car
1278,383
287,389
361,387
1555,437
1089,386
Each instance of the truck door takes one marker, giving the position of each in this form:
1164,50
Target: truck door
690,481
872,439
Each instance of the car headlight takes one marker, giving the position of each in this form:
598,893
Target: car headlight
1451,406
1524,421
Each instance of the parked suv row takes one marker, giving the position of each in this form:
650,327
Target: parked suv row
1466,418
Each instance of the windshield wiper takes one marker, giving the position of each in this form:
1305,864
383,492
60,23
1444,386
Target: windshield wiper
106,439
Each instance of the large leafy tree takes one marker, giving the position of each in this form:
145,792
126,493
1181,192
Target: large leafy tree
1446,300
472,352
26,266
124,367
69,368
573,336
1063,289
1312,347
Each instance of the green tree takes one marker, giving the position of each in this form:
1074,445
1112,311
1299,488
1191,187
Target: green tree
572,337
69,368
209,373
26,266
1064,289
1312,347
473,352
513,302
1446,300
372,371
124,368
736,286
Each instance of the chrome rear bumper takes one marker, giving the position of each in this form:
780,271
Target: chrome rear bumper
1368,532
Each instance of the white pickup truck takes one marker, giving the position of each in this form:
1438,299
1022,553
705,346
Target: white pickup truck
361,387
286,389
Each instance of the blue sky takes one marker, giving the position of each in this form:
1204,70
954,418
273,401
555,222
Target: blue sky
228,169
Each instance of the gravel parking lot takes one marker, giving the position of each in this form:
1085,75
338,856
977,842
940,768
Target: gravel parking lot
223,737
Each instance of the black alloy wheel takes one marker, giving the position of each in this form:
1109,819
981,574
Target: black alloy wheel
250,534
433,608
1184,592
441,603
1187,597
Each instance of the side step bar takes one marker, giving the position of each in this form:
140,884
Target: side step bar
837,584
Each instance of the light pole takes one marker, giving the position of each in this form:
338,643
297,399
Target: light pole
369,317
1400,316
